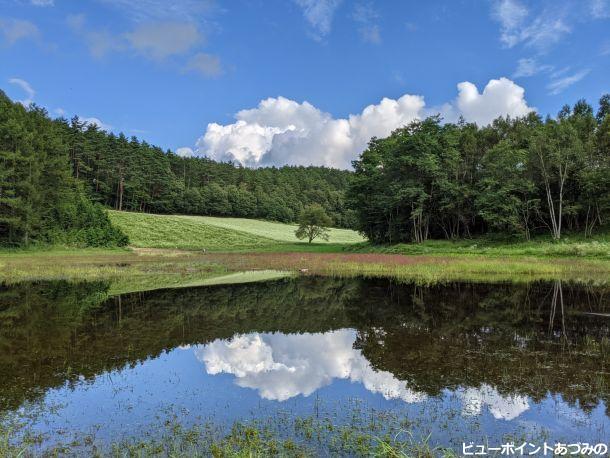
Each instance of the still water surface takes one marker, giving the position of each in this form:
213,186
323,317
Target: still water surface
462,362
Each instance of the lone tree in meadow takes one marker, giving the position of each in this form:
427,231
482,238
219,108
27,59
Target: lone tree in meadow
313,222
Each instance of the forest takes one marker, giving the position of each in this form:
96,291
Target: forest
57,175
40,200
516,177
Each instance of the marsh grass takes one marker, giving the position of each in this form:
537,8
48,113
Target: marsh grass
574,246
423,269
130,271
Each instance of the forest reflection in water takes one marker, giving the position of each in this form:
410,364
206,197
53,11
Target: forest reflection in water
507,355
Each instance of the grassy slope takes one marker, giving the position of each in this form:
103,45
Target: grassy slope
276,231
215,234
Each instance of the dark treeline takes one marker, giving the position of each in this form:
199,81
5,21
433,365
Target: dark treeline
520,177
40,201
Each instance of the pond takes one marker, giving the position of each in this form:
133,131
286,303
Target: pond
308,358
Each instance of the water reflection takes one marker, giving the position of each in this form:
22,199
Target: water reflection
488,356
280,366
502,407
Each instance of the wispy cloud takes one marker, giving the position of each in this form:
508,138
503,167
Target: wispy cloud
154,40
600,9
319,15
13,30
144,10
367,17
42,2
561,83
516,26
161,31
163,39
99,42
205,64
510,14
27,88
530,67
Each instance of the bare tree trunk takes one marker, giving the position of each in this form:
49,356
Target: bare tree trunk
121,188
555,225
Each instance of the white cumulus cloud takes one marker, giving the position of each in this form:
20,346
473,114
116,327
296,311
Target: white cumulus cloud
184,151
96,121
282,131
500,97
281,366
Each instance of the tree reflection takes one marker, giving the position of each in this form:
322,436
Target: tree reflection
499,343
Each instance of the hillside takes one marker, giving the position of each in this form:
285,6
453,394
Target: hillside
211,233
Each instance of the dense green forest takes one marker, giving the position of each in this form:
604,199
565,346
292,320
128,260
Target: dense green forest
40,201
520,177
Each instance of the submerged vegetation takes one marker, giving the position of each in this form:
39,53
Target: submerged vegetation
290,437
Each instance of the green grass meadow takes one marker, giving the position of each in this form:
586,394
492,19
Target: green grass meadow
216,234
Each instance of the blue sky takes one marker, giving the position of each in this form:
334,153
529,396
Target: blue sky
229,79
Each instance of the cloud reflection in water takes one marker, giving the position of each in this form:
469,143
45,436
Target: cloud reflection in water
281,366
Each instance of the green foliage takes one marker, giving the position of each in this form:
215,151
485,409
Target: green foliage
313,223
521,176
40,201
